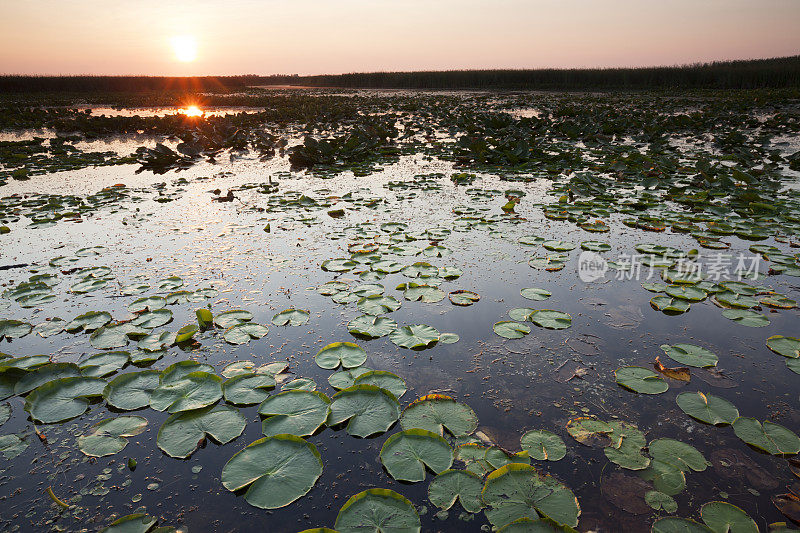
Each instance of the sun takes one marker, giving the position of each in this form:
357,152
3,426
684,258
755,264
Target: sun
185,48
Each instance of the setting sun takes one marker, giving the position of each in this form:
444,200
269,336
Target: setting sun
191,111
185,48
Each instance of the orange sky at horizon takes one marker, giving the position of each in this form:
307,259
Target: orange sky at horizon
333,36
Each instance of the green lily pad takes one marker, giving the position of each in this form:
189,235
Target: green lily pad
627,444
690,293
537,295
243,333
518,491
437,412
377,511
88,322
193,391
109,436
746,317
669,306
248,388
227,319
131,391
367,409
44,374
660,501
677,454
511,330
153,319
452,485
371,327
707,408
291,317
182,433
345,379
641,380
723,517
770,437
543,445
415,337
385,380
558,246
297,412
785,346
347,354
50,327
275,471
416,292
14,329
148,303
378,304
103,364
549,319
463,298
12,446
114,335
690,355
158,341
62,399
406,454
132,523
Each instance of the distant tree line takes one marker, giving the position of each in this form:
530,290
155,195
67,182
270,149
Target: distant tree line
95,84
783,72
746,74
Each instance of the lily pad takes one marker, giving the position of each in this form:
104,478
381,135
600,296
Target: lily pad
62,399
378,511
14,329
746,317
275,471
406,454
723,517
415,337
463,297
452,485
511,330
641,380
543,445
378,304
549,319
385,380
247,388
103,364
345,379
227,319
193,391
367,409
769,437
346,354
371,327
182,433
297,412
131,391
518,491
707,408
243,333
437,412
109,436
291,317
537,295
690,355
785,346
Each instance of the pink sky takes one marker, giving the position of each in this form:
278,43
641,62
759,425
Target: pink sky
332,36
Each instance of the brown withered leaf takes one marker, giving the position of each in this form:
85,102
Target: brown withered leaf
789,505
680,373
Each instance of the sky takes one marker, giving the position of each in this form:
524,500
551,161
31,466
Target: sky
204,37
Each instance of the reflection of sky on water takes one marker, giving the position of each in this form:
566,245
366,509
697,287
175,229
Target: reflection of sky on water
512,385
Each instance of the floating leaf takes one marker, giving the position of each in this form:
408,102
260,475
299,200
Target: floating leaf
415,292
131,391
519,491
12,446
103,364
378,511
88,322
415,337
13,329
347,354
291,317
298,412
769,437
535,294
549,319
678,454
385,380
247,388
275,470
366,409
235,317
707,408
378,304
132,523
345,379
44,374
182,433
108,436
62,399
242,333
746,317
785,346
641,380
148,303
436,412
723,517
543,445
406,454
50,327
511,330
371,327
153,319
690,355
463,298
660,501
193,391
452,485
